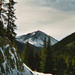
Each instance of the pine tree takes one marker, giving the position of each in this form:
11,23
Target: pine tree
2,30
43,57
60,66
74,67
25,53
49,58
70,68
28,56
9,18
37,61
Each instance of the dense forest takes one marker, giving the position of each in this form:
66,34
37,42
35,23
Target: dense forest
58,59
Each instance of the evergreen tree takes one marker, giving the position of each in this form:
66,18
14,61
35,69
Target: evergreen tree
49,58
60,66
9,19
25,53
11,25
69,68
74,67
43,57
2,30
37,61
28,56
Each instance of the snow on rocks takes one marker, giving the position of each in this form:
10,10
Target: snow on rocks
30,72
37,73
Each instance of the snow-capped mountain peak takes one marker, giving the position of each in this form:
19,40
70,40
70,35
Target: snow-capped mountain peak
36,38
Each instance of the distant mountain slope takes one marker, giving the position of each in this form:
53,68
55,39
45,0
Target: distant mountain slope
36,38
70,38
65,49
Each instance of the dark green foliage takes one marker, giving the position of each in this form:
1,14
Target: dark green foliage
60,58
49,58
1,58
43,56
37,61
20,46
60,66
28,56
47,62
2,30
74,67
61,44
69,68
64,56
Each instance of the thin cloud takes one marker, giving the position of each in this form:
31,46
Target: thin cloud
46,16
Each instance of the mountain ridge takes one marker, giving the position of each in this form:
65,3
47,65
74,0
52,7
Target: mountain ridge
36,38
65,41
68,39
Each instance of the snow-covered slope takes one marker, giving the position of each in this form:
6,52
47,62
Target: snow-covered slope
36,38
10,63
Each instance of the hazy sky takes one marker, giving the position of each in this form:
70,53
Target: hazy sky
54,17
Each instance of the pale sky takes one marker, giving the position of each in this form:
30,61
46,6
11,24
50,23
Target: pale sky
54,17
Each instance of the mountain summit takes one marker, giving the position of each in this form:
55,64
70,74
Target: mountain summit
36,38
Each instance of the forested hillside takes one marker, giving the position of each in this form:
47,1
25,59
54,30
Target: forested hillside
64,55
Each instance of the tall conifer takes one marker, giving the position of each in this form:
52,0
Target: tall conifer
2,30
49,58
9,18
43,56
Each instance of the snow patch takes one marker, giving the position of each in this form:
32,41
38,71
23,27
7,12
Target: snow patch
6,46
